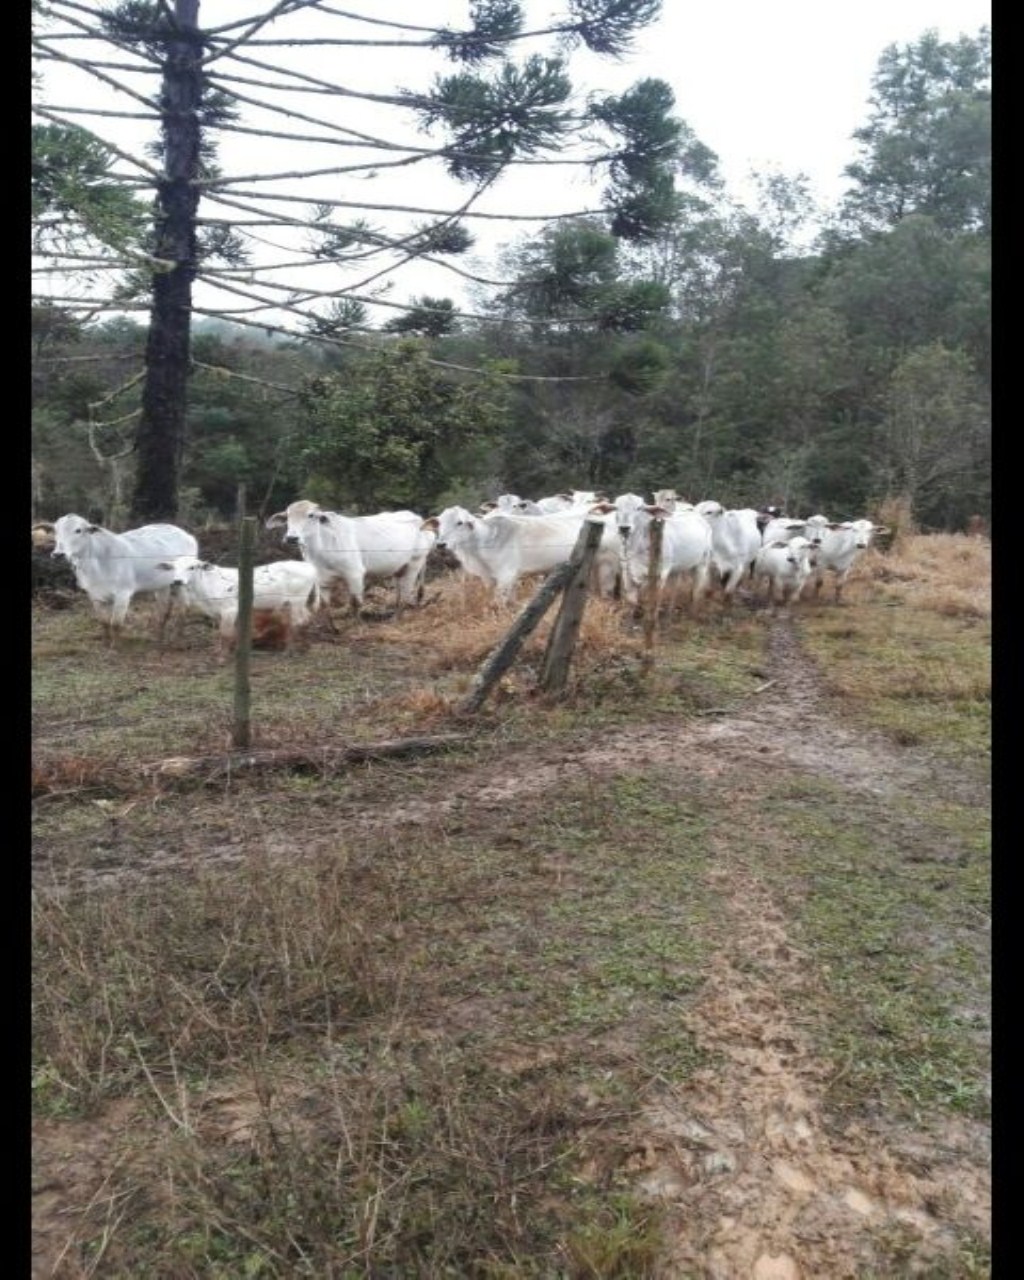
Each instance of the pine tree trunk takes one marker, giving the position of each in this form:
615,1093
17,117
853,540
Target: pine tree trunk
160,437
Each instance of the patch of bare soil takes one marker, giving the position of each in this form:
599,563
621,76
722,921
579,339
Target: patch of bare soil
763,1186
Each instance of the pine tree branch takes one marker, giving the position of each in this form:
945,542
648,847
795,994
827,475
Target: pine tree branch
99,75
49,114
399,208
331,341
222,372
277,11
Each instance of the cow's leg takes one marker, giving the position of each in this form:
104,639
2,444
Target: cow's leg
118,613
504,585
356,584
700,589
164,602
840,580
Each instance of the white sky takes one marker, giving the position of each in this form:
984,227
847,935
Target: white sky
777,87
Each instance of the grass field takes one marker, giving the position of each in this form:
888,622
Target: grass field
682,975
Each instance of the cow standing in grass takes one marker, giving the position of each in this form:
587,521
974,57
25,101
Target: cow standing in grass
113,568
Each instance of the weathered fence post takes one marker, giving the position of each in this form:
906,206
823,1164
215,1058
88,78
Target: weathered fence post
241,738
503,655
554,669
652,592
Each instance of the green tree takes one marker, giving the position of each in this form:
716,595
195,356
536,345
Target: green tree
936,428
493,112
431,317
927,147
78,205
391,431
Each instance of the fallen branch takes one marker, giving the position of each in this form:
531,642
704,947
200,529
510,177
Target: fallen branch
724,711
209,768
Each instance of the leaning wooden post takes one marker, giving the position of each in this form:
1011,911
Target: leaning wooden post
652,592
502,657
241,739
554,671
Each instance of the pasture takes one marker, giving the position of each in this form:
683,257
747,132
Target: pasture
683,975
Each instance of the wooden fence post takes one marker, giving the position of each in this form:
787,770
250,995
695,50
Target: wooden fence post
241,738
652,592
503,655
554,670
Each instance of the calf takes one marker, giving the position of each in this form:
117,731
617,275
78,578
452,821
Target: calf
671,501
287,587
112,568
784,566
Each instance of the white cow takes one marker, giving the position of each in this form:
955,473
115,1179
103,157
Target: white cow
570,501
685,549
671,501
784,566
112,568
735,542
839,548
351,549
625,506
782,529
816,527
511,504
285,585
501,548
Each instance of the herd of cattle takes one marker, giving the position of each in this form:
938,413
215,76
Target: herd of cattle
715,548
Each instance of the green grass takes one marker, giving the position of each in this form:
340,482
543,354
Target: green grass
454,1004
441,1033
892,908
921,676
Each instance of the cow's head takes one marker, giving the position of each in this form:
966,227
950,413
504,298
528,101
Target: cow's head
72,535
291,520
454,525
863,531
816,527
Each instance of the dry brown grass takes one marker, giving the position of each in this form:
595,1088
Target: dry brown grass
64,774
947,573
462,625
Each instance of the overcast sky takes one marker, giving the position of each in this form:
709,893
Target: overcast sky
777,87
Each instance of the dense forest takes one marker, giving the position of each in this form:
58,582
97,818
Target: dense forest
752,355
